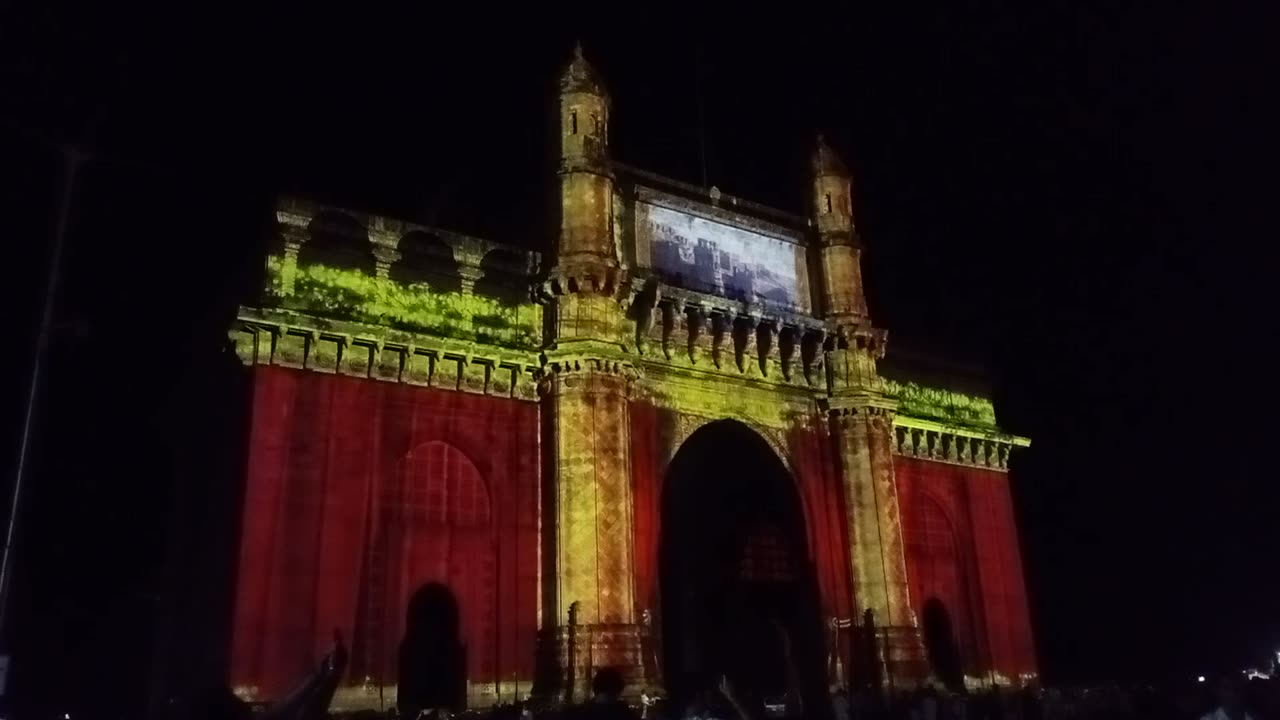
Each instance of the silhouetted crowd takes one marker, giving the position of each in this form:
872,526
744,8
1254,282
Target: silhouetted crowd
1228,699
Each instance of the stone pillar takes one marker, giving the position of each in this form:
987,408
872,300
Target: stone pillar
587,422
294,237
385,253
587,404
862,429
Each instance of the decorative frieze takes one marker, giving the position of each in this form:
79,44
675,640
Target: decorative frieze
433,364
727,338
918,438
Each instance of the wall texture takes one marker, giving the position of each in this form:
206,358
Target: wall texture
962,550
359,493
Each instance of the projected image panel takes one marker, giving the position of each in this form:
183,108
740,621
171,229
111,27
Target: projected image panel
708,256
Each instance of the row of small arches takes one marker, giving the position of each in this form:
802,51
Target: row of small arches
337,240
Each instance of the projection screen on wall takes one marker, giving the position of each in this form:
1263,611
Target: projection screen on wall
709,256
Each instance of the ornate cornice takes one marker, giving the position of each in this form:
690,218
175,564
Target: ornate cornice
585,273
590,364
715,335
929,440
586,375
284,339
853,409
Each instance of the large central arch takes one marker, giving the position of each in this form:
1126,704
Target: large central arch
736,579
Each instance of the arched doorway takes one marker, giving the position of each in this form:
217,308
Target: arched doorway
938,577
940,644
431,667
433,534
738,588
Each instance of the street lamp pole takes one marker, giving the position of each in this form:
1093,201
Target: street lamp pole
73,159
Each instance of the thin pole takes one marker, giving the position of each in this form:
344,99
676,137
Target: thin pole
72,159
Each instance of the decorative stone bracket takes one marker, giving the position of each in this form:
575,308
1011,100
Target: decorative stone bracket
961,446
729,339
438,365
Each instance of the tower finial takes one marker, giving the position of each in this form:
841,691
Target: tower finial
825,160
580,76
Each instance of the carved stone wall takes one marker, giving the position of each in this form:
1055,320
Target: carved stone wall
587,404
589,339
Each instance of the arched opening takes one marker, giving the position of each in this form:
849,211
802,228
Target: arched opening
504,276
432,662
433,537
938,577
940,644
738,588
425,258
337,240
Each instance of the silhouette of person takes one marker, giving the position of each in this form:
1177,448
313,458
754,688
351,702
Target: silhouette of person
606,699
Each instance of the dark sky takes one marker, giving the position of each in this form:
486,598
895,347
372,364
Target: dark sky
1064,194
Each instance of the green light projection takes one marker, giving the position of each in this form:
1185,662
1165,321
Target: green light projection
337,293
942,404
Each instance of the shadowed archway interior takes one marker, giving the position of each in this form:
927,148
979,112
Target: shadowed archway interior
940,644
432,661
738,588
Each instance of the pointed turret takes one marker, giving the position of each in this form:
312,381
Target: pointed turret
586,257
581,75
838,241
584,117
826,161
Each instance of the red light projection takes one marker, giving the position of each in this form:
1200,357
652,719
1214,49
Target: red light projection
361,493
961,543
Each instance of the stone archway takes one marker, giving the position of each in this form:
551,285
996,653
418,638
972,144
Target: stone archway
940,645
738,591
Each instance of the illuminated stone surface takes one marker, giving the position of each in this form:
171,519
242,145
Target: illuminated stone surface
587,336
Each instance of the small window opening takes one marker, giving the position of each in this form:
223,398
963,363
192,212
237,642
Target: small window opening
573,122
828,203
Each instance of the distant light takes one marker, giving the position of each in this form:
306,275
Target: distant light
1199,678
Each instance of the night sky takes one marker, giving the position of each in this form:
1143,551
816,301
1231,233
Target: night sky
1066,196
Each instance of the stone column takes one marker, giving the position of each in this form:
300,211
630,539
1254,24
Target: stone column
385,253
294,236
862,429
587,406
